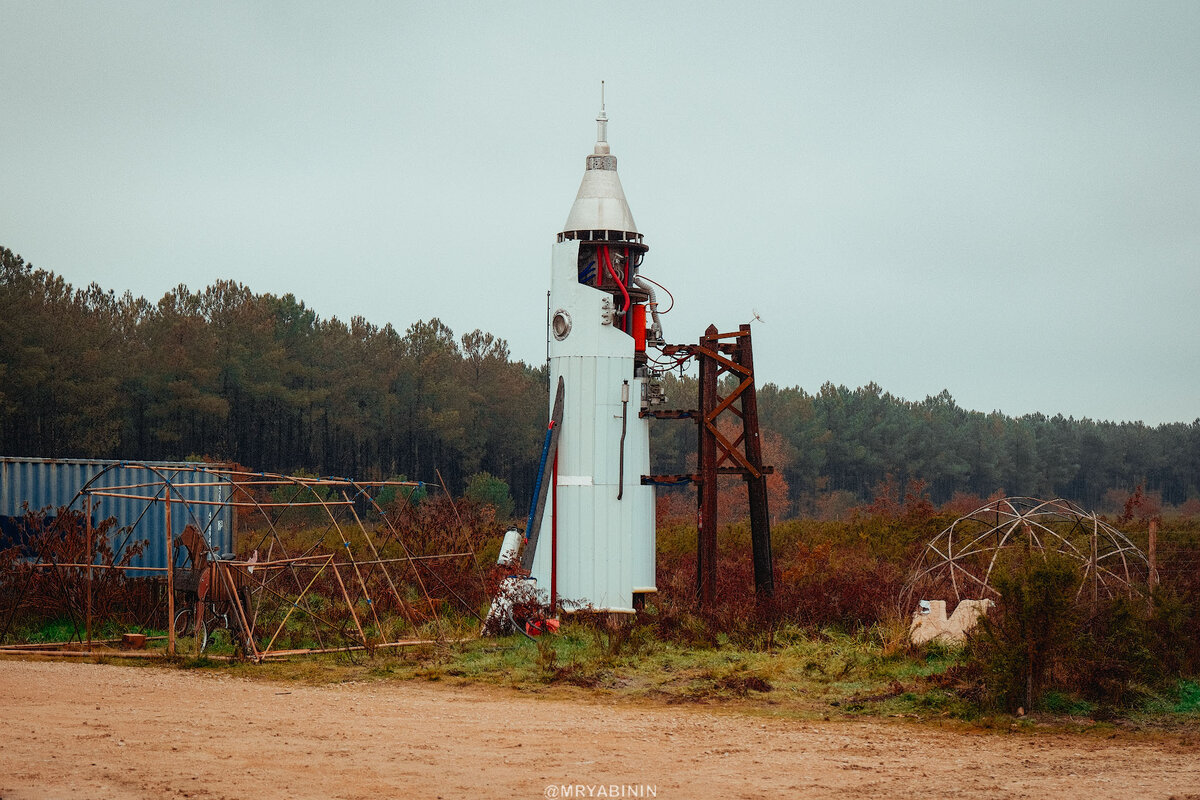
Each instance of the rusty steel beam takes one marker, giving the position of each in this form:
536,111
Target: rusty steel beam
720,354
756,483
706,495
669,413
668,480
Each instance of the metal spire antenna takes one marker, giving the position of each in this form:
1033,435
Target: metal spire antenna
602,119
600,203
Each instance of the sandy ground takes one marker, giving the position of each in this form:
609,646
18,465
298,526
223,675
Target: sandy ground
70,730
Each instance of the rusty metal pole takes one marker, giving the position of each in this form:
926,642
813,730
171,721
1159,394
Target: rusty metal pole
706,493
1095,563
242,619
760,519
87,510
1152,577
170,576
375,552
350,605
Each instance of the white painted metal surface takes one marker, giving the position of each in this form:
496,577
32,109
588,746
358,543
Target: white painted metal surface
509,548
600,203
605,545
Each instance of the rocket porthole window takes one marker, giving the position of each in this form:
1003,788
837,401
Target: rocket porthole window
561,324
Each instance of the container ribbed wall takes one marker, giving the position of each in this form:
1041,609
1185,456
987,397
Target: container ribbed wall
52,483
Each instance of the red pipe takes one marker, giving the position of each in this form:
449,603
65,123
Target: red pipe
639,328
628,283
613,272
554,539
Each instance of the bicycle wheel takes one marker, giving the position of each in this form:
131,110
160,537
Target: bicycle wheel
215,623
183,622
184,625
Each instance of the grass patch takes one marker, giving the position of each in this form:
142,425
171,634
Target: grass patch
1067,705
1184,701
203,662
822,675
1189,698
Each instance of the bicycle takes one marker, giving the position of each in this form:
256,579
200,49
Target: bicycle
205,606
210,619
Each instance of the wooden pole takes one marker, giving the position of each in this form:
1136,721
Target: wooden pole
87,506
170,574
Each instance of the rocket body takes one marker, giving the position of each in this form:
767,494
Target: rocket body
597,545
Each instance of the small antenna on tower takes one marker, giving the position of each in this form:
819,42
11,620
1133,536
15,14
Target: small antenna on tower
602,120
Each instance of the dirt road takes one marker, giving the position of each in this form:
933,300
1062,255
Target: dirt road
71,730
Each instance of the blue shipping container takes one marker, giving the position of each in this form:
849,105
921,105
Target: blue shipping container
56,482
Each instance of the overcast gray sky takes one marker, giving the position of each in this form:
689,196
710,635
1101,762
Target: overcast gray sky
999,199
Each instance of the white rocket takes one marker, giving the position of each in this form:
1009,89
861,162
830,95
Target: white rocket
596,545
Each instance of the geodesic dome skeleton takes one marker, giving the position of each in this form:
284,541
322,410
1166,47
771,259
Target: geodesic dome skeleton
961,561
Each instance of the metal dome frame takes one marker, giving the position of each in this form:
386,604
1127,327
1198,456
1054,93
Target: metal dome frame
962,559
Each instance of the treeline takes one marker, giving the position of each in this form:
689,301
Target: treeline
840,446
256,379
264,381
851,440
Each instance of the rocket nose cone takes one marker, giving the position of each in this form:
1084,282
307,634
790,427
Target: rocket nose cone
600,203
